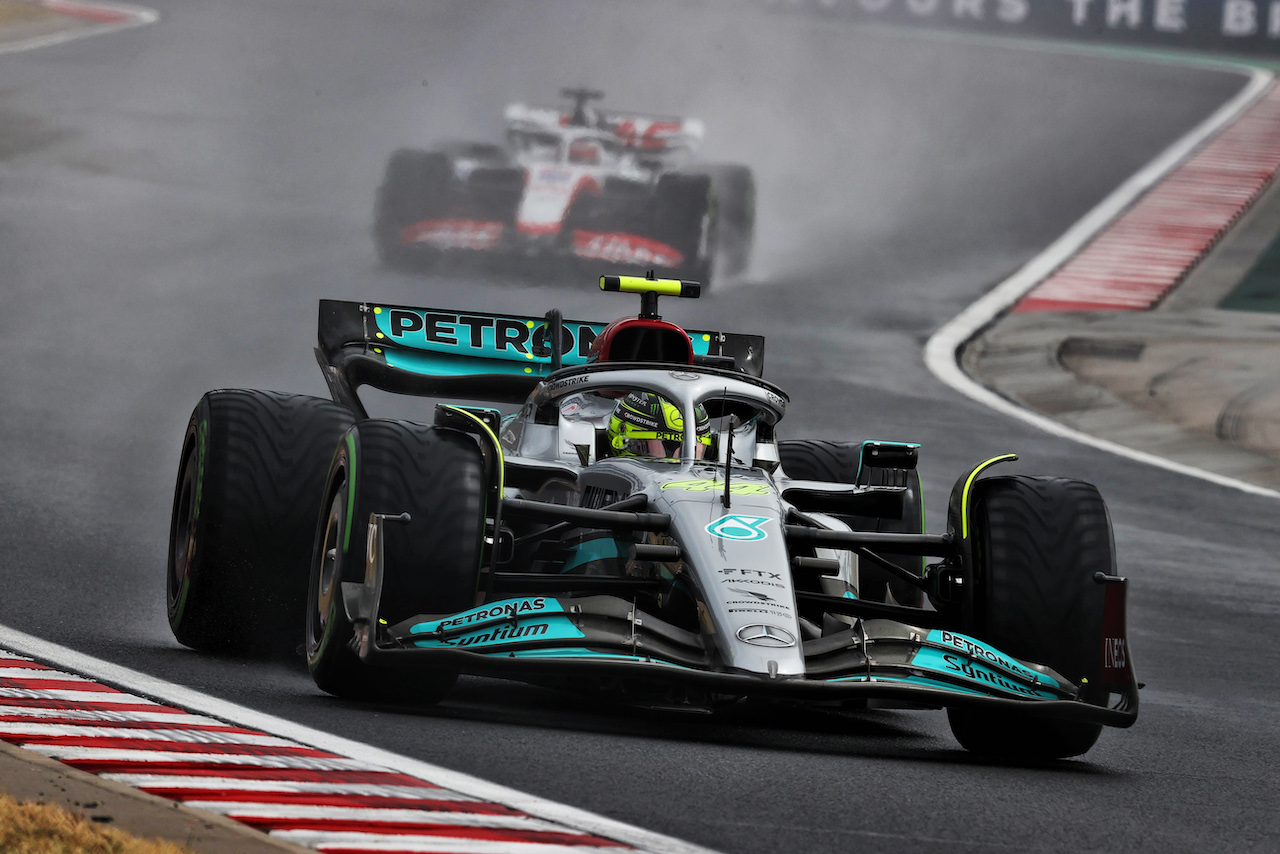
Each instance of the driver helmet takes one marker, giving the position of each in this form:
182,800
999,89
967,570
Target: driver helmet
644,424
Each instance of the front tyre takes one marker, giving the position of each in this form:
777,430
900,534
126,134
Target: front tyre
1039,542
248,490
432,564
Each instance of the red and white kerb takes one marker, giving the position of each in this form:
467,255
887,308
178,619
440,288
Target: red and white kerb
296,793
1148,250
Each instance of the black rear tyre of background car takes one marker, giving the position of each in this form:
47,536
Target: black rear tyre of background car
250,482
432,563
837,462
735,192
1038,543
684,217
414,188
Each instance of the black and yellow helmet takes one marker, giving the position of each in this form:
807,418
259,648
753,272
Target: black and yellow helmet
644,424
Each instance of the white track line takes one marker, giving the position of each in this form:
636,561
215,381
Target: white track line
166,735
136,16
426,844
245,810
178,783
192,700
941,353
148,757
88,698
37,712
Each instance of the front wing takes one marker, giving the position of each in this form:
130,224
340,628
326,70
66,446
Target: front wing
542,638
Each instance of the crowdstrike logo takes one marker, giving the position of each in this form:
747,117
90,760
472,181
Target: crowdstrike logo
761,596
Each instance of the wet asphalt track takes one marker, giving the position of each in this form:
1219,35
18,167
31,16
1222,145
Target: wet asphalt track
173,200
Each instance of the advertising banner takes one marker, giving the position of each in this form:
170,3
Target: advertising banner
1230,26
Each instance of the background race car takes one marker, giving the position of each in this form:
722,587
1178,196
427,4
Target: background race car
569,185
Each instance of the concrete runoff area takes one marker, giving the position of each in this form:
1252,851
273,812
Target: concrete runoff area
1196,380
1260,288
21,20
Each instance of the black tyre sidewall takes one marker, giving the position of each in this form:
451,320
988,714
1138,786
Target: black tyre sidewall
186,525
259,458
334,666
681,202
431,564
415,187
735,192
1038,543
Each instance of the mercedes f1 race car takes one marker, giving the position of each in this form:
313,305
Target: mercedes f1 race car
622,518
572,186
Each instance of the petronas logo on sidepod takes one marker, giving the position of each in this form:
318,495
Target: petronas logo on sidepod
741,528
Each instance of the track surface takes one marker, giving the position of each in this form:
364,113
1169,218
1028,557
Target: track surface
173,200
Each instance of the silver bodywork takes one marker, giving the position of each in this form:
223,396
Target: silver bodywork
736,553
685,582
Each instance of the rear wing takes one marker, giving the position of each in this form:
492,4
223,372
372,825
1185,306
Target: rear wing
471,355
633,131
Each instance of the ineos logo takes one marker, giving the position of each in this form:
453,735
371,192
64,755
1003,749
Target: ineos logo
771,636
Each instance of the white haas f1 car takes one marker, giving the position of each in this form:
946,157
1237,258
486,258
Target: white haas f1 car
634,529
577,185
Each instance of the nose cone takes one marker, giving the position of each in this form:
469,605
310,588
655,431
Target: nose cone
740,564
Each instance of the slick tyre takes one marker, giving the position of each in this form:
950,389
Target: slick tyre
837,462
414,188
250,482
1038,543
432,563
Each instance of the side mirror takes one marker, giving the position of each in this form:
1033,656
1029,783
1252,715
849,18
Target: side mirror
889,455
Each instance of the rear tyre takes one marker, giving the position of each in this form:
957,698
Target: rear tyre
684,217
432,563
249,487
414,188
1038,543
837,462
735,192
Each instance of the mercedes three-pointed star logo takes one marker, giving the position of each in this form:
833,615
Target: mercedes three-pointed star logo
760,635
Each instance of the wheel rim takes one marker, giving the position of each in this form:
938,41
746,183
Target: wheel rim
184,528
325,582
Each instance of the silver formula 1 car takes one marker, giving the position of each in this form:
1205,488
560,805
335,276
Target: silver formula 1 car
569,186
632,526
